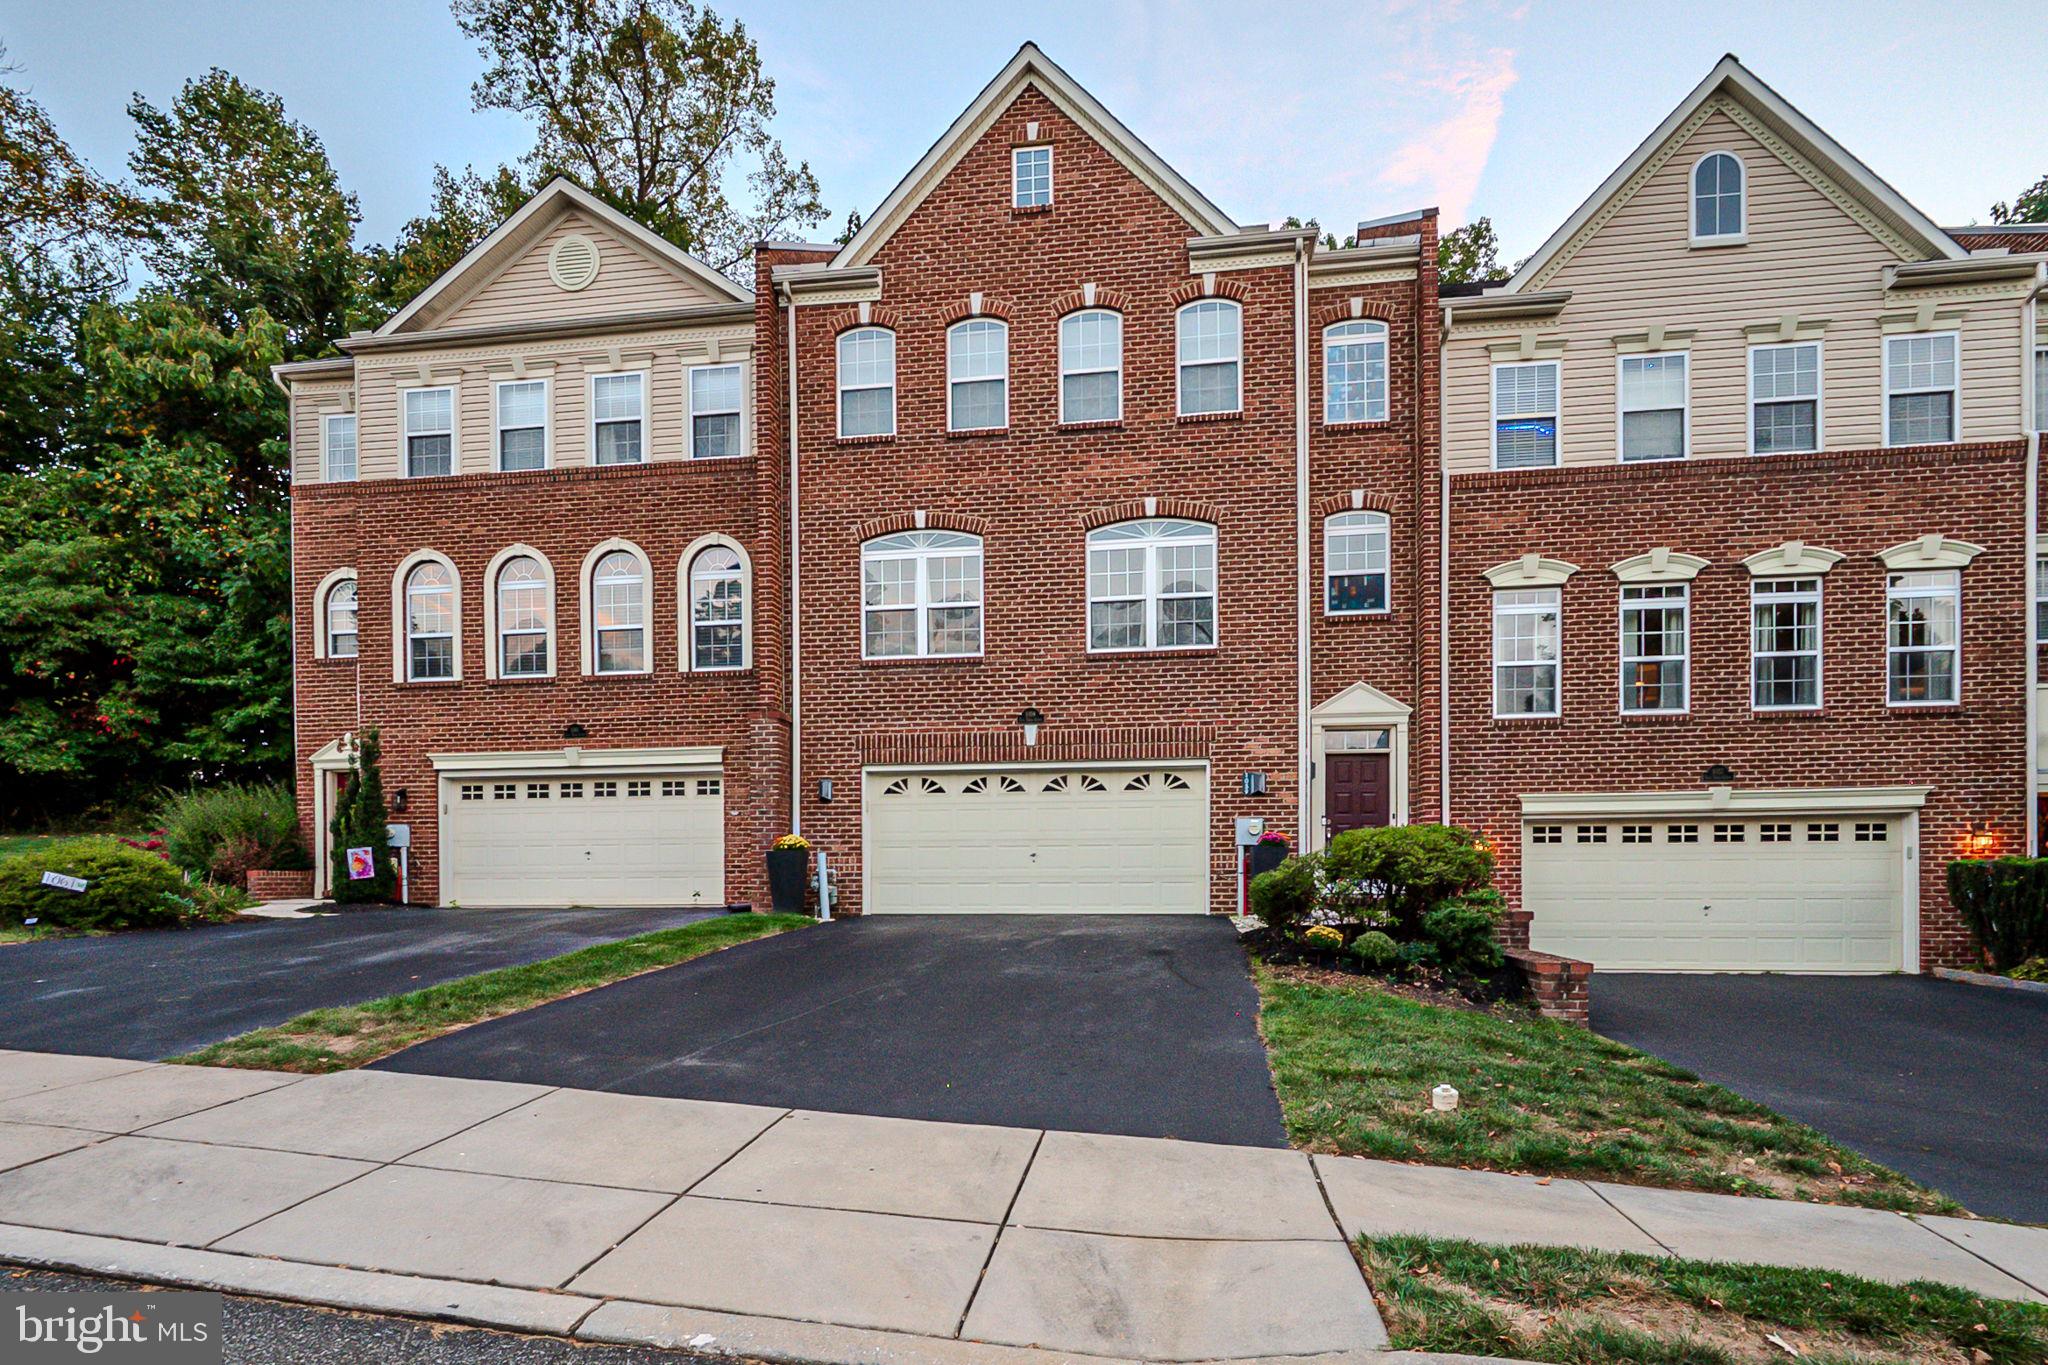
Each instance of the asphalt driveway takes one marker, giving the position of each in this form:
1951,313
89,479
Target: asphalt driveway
155,994
1945,1082
1144,1025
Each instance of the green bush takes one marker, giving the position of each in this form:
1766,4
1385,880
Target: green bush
1462,932
2033,969
222,832
2004,901
1398,873
1374,949
1283,897
126,888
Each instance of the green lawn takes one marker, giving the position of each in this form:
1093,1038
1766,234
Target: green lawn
1600,1308
1354,1065
356,1035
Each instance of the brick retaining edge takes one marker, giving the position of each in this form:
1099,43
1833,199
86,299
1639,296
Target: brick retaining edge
1561,986
278,885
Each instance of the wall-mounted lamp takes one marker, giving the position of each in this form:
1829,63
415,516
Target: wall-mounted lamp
825,790
1031,719
1254,784
575,730
1718,773
1979,839
398,798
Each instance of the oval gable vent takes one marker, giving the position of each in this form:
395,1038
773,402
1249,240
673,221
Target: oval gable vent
573,262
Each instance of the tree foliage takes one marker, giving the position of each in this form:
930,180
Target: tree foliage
2030,207
464,210
1468,253
359,821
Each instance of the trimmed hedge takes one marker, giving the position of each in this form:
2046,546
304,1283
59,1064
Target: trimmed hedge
2004,901
126,888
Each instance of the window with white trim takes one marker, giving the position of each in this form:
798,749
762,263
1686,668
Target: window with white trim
716,430
1092,366
2041,388
339,444
1784,398
618,613
1355,563
525,602
867,382
1355,371
1031,177
429,432
1525,414
1210,343
429,622
978,375
1784,644
1654,647
1920,389
921,595
1923,639
1653,406
1525,651
618,418
2041,599
1152,585
1717,199
341,620
718,610
522,424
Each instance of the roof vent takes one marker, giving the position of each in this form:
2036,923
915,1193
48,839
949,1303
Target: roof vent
572,264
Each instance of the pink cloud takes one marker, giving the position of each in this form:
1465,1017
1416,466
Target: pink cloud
1446,160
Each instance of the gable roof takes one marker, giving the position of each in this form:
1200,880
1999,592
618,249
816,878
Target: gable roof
1736,82
525,227
1033,69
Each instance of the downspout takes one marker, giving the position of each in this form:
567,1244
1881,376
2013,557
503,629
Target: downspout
1443,585
2029,321
796,594
1305,762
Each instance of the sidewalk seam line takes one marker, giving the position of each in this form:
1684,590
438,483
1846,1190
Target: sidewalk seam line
960,1327
1622,1213
1972,1251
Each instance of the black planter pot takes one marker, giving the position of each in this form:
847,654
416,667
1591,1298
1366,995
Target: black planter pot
1265,857
788,870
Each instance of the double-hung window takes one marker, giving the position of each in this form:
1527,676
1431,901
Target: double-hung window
921,595
978,375
1784,398
715,426
429,622
1211,343
1784,644
1355,563
618,592
718,610
429,432
524,605
2041,599
1920,389
1525,651
1654,647
1525,414
1031,177
1923,611
341,620
339,434
1092,366
1355,372
2040,388
618,418
1152,585
523,424
867,382
1653,406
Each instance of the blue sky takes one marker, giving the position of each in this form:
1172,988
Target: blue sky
1513,108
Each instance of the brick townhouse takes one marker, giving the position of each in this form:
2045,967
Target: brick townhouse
1018,547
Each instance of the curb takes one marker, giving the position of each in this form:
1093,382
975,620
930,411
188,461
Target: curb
2003,983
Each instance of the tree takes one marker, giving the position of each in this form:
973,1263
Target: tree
465,210
1469,253
360,822
2030,207
246,213
852,228
654,106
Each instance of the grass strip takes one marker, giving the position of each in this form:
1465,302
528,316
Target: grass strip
350,1036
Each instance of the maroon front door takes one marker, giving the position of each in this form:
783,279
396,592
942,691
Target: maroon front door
1356,792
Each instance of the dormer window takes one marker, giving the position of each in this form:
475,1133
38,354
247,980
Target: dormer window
1719,210
1031,177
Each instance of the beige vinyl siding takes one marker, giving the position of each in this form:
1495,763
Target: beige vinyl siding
312,403
628,281
1805,258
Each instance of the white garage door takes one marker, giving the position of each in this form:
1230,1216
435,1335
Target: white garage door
1038,841
592,839
1787,895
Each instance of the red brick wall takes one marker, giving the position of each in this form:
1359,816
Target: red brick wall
1859,504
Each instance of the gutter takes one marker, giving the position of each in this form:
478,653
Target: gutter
695,315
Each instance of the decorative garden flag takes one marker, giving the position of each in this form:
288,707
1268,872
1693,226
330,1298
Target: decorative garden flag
361,866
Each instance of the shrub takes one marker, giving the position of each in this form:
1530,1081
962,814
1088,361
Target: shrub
126,888
2033,969
1374,949
212,902
1404,871
222,832
2004,901
360,822
1324,936
1462,932
1283,897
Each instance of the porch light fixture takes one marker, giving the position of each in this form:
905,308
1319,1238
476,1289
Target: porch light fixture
1254,784
1031,719
575,730
1719,773
825,790
398,798
1978,838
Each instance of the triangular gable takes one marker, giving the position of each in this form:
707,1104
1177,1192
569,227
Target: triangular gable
1031,68
1362,701
1733,87
517,236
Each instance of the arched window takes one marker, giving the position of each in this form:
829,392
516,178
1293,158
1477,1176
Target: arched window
1718,211
429,622
525,609
341,620
867,382
1092,366
718,610
618,613
1355,371
921,595
1210,346
978,375
1355,563
1152,585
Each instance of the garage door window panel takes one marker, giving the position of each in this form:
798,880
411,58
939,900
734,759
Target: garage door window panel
618,592
921,596
1785,636
1924,663
1525,652
1654,645
1152,585
525,618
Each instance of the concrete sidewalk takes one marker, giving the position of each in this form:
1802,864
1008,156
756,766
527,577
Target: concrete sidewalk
797,1235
